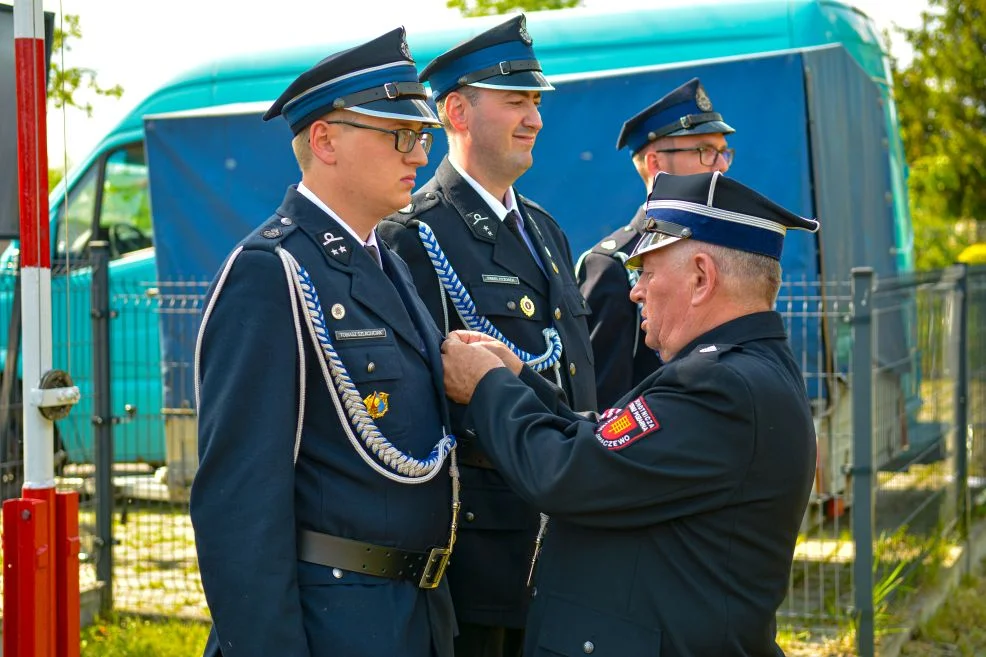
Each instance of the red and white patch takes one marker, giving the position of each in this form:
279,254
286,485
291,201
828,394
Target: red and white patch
627,426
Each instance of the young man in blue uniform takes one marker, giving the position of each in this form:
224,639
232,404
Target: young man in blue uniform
323,504
675,513
680,134
485,257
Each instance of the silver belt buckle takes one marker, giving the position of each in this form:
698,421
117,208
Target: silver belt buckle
434,569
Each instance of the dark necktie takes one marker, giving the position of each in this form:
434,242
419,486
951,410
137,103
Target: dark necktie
373,253
512,222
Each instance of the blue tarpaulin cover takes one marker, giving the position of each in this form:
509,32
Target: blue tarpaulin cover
809,135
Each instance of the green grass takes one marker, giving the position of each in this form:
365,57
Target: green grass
134,636
958,628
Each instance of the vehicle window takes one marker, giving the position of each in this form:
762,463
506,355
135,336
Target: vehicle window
125,214
72,235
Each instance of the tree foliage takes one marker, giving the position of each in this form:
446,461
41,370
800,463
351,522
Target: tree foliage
65,84
493,7
941,102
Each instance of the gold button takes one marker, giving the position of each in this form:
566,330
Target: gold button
371,366
470,516
557,313
511,305
571,369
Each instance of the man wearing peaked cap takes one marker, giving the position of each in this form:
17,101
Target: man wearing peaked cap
513,279
681,134
323,504
675,513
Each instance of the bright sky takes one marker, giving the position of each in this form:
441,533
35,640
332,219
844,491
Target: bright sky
140,44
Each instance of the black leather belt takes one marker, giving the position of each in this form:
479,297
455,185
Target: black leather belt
470,454
423,568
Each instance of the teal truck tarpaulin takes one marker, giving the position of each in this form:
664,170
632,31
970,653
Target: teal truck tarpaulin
810,134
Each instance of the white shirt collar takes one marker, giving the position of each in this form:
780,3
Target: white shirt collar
495,204
310,195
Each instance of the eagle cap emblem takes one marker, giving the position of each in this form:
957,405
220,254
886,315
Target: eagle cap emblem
524,35
702,99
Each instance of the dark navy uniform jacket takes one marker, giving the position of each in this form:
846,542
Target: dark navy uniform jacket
489,569
249,499
674,515
614,326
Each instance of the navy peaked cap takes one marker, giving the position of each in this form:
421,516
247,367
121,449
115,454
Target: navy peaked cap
377,78
685,111
709,207
499,58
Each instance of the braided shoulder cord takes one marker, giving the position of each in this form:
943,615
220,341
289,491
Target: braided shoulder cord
371,445
467,308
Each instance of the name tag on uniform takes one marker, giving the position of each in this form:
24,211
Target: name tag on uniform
362,334
503,280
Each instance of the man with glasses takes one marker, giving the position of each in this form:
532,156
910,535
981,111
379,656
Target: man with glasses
325,502
679,134
486,258
675,513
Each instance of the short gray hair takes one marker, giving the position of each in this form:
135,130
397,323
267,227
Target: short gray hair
746,275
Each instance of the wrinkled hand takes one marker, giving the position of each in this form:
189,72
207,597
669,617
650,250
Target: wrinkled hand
493,346
465,365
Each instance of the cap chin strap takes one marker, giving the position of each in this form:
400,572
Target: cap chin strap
686,122
389,91
503,68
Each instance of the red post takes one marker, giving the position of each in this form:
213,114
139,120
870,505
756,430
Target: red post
26,573
67,541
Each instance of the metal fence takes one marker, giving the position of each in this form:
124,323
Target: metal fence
896,369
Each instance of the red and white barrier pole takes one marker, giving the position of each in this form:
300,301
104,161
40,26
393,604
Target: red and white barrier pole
34,606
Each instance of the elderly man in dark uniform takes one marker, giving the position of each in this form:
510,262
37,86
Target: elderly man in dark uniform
485,258
323,507
679,134
675,513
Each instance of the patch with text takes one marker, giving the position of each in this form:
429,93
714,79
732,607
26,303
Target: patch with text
626,426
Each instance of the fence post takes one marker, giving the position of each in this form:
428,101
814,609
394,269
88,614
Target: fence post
102,419
959,274
862,466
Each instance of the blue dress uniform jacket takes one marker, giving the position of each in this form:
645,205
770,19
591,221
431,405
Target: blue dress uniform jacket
674,516
249,499
489,569
614,325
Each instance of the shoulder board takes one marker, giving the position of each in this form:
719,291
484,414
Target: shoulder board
616,242
270,234
420,202
534,206
713,351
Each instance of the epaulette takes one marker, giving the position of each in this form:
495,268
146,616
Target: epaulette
534,206
713,351
270,234
615,241
420,202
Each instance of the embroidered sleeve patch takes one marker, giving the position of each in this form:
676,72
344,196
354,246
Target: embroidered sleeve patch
627,426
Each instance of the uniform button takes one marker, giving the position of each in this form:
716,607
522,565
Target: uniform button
429,196
571,369
557,313
371,366
588,647
285,221
337,573
470,516
534,592
511,305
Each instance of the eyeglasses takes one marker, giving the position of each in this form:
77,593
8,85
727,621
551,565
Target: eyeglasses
707,155
404,138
